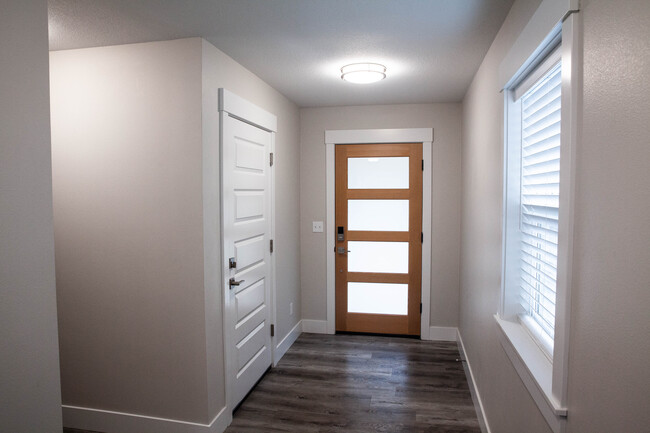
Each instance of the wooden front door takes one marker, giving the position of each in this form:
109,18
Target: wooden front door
378,230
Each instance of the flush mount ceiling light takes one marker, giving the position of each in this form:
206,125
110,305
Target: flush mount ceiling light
363,73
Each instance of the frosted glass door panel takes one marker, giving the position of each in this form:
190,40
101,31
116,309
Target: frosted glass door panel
378,298
383,257
378,173
378,215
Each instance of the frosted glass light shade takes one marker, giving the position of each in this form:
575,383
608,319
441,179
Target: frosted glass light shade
363,73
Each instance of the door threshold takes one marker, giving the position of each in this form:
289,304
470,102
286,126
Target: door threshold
373,334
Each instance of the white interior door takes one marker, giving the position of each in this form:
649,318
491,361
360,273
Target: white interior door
247,219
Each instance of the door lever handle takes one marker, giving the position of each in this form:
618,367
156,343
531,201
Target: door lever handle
232,283
342,250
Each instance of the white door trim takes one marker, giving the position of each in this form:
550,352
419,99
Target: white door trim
246,111
365,136
232,105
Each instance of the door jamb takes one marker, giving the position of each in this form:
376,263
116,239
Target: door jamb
233,105
376,136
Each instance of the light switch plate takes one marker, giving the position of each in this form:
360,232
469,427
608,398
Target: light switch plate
317,227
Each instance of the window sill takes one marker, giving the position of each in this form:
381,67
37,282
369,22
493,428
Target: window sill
534,369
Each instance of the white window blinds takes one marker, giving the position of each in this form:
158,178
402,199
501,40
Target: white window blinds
540,190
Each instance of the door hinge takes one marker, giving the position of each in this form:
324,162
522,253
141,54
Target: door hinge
423,165
272,330
271,246
421,237
420,307
271,159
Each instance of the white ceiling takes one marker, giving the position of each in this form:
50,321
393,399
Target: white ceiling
432,48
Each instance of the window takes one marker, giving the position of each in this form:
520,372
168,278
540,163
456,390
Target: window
537,110
541,111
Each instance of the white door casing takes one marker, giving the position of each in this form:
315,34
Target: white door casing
247,138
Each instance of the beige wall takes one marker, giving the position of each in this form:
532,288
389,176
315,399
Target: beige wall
609,384
126,147
30,393
136,193
609,348
507,403
445,120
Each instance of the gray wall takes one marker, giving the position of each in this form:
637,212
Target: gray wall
135,146
609,347
445,119
30,395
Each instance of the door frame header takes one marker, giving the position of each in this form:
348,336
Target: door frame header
246,111
375,136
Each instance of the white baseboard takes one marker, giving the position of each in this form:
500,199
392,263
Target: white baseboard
476,396
221,421
84,418
286,342
314,326
442,333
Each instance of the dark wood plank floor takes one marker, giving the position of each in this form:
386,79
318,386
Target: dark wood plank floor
357,383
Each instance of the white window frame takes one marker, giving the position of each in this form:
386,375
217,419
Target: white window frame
545,377
511,286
